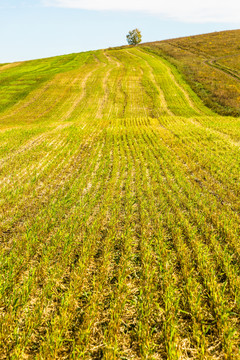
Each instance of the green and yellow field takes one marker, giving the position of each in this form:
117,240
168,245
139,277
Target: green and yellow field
211,65
120,212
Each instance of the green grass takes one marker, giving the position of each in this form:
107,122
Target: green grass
119,215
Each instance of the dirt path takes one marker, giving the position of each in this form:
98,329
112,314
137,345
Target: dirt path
228,72
211,61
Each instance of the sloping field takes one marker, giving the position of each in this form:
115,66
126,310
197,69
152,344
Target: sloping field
211,65
120,212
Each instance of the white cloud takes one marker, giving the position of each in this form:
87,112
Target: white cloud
182,10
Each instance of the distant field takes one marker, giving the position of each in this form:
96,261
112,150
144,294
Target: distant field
120,212
211,65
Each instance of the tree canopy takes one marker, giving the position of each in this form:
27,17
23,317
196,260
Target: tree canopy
134,37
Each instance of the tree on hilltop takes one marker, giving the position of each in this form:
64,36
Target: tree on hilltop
134,37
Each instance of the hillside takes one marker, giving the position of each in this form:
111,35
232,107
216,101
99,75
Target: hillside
120,212
211,65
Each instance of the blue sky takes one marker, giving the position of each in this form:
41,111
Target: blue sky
33,29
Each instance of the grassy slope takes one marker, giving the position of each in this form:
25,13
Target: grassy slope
119,213
211,65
